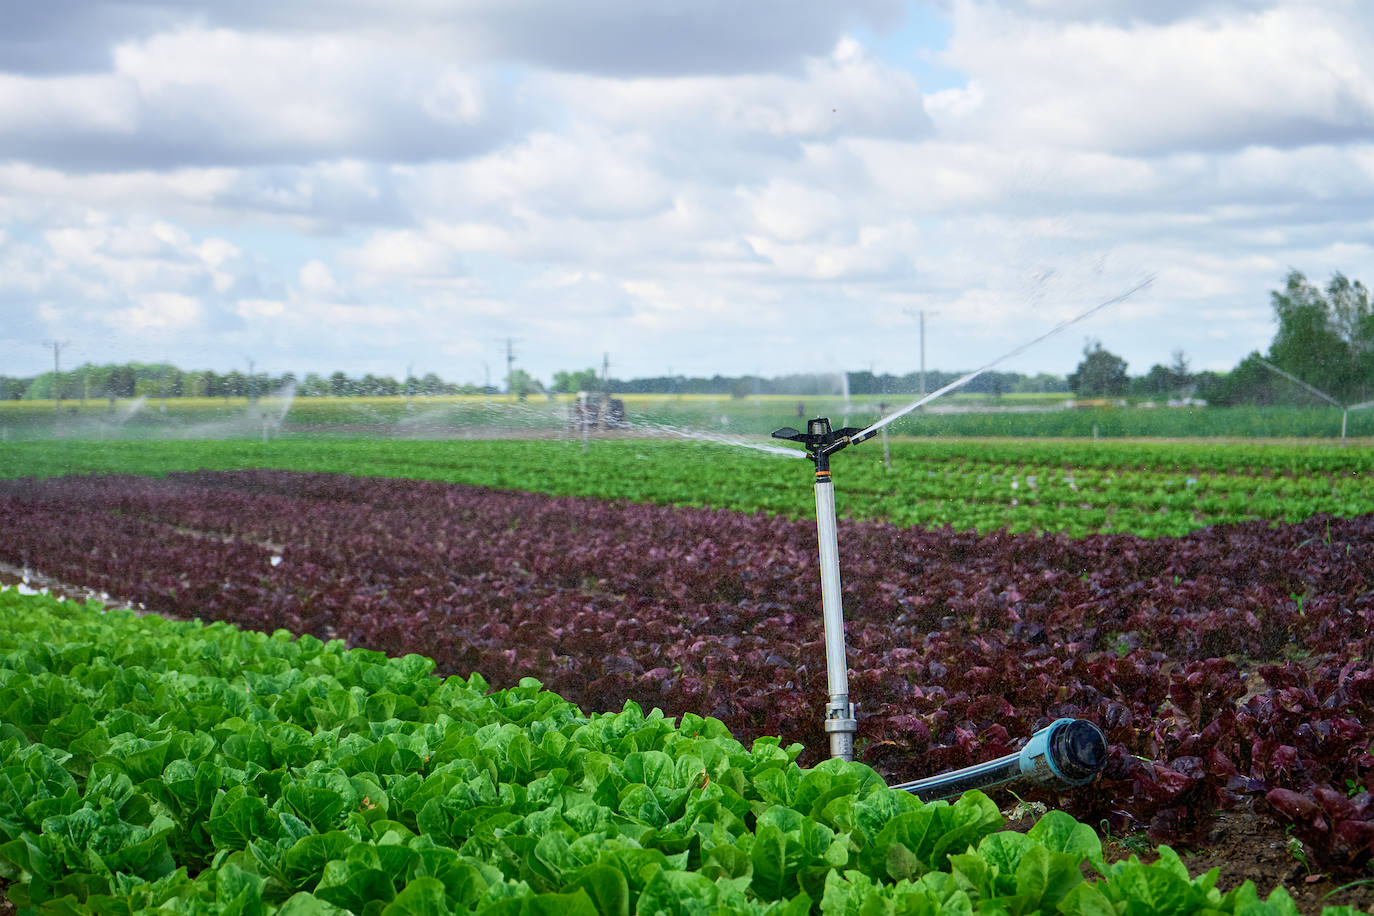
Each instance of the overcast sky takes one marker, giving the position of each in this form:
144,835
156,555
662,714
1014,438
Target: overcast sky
693,186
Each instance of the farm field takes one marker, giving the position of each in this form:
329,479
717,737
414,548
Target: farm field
153,766
466,416
1230,666
1067,487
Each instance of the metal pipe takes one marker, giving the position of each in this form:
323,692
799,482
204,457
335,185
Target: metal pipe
839,712
1063,754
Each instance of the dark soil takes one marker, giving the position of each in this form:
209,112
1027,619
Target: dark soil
1246,846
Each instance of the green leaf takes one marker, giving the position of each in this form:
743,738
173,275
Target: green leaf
607,889
677,893
238,892
639,803
901,863
420,897
1059,832
303,904
306,858
1151,889
353,886
773,875
1044,877
971,872
318,805
1086,900
237,818
1003,850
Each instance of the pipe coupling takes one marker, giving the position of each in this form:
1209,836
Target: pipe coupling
841,725
839,715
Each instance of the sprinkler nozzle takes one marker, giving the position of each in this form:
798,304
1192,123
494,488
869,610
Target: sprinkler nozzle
1079,750
1067,752
820,440
1064,754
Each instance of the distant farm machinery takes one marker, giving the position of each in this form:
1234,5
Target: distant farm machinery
596,410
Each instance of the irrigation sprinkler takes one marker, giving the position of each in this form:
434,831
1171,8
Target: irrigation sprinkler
1066,753
821,442
1345,408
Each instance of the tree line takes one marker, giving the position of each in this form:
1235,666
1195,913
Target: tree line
1325,338
152,380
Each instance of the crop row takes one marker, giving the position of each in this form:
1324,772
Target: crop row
1075,488
1232,665
156,767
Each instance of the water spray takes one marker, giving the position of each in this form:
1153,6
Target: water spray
1345,408
1066,753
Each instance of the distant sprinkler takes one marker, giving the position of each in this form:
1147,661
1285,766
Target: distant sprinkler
1345,408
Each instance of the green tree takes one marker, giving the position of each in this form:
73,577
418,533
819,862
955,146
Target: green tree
431,384
1100,374
1180,373
522,385
1159,381
313,386
1249,383
570,382
1308,343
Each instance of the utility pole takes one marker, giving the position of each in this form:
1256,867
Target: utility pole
606,372
510,364
57,346
923,351
921,318
252,391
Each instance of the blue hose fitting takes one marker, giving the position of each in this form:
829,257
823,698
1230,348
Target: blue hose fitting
1064,754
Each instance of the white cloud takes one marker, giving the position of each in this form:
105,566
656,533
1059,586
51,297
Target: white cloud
317,281
293,179
197,96
396,254
844,93
157,313
253,309
1283,77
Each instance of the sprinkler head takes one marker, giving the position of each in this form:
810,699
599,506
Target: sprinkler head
820,440
1079,750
